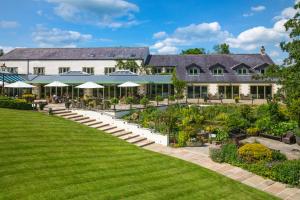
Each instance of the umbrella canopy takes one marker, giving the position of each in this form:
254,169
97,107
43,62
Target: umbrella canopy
1,83
129,84
56,84
19,84
89,85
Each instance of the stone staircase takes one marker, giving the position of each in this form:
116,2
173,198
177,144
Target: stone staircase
102,126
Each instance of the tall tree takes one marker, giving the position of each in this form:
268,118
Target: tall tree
1,52
194,51
288,75
222,48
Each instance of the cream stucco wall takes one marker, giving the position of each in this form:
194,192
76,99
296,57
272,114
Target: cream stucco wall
52,66
213,89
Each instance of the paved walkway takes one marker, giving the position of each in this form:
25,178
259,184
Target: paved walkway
199,156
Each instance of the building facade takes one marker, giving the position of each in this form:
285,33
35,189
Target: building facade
213,75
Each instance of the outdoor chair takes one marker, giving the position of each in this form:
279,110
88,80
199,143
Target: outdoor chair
289,138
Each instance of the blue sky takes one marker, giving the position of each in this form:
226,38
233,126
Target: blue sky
166,26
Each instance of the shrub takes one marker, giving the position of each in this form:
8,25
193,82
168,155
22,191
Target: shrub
222,117
144,101
282,127
114,101
255,152
278,156
264,123
237,99
221,135
227,153
182,138
158,99
287,172
19,104
253,131
28,97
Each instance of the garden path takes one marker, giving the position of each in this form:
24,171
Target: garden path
200,156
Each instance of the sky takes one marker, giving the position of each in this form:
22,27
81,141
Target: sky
165,26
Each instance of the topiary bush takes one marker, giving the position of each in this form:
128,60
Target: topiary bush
255,152
19,104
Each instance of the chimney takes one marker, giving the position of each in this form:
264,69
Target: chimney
262,50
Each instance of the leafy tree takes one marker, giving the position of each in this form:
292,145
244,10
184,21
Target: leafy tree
294,109
222,48
1,52
114,101
144,101
129,101
179,86
133,66
288,75
194,51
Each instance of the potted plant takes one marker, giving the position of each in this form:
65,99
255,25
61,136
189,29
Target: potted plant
129,100
144,101
237,99
158,99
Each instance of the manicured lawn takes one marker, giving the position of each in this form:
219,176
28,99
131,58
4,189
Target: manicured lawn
46,157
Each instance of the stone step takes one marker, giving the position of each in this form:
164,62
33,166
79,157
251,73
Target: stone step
144,143
80,119
73,116
116,130
97,125
66,114
119,134
93,123
101,126
86,121
128,137
61,112
136,140
107,128
55,109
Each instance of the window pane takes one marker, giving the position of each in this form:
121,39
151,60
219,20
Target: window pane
190,92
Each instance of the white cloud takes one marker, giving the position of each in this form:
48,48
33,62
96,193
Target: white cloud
106,13
248,14
255,37
7,48
274,53
55,37
8,24
258,8
190,35
160,35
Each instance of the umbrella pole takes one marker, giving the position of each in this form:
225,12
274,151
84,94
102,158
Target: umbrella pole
78,93
97,92
72,91
56,91
61,91
103,93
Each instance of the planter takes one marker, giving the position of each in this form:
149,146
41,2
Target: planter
273,137
298,140
240,136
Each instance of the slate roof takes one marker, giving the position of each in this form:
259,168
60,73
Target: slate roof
77,53
100,79
205,62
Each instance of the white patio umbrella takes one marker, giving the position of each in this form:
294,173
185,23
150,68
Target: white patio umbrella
19,85
90,85
128,84
1,83
56,84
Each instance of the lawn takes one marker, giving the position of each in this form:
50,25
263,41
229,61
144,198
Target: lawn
46,157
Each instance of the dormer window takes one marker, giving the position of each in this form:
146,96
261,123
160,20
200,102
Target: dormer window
242,71
218,71
193,71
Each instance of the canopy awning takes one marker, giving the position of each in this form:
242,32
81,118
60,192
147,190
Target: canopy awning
129,84
1,83
56,84
19,84
89,85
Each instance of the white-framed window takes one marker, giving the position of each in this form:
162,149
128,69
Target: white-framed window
13,70
157,70
89,70
242,71
169,70
193,71
108,70
262,71
39,70
134,70
218,71
62,70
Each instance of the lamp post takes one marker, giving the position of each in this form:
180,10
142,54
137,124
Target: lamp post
3,70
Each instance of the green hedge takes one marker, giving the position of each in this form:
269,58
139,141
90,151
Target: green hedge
19,104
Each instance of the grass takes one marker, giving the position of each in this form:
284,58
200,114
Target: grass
46,157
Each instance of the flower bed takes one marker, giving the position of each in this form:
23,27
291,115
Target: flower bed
260,160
